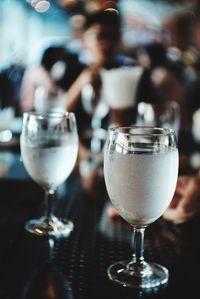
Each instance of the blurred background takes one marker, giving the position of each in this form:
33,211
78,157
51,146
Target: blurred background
28,26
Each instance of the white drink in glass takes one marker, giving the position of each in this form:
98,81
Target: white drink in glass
119,86
140,169
49,166
142,185
49,148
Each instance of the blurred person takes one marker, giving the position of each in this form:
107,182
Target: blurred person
166,78
186,201
37,75
101,41
168,83
57,70
184,28
152,55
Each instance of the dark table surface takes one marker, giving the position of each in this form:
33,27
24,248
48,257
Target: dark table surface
75,267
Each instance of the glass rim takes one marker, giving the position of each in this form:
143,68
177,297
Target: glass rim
160,131
44,115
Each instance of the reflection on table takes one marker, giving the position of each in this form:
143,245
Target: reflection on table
75,267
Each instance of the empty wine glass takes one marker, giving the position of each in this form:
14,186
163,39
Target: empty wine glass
165,115
95,106
49,146
141,191
46,101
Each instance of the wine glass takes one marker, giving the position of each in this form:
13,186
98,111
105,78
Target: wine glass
49,100
94,105
165,115
141,191
49,146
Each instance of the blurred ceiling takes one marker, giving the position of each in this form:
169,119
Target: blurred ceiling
70,7
96,4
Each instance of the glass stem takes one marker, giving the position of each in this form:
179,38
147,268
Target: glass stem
137,263
138,245
133,245
48,203
95,123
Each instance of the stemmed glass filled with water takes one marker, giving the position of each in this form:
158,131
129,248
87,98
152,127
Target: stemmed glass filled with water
49,146
140,169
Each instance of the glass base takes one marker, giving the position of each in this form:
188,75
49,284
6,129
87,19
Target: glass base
50,227
149,276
